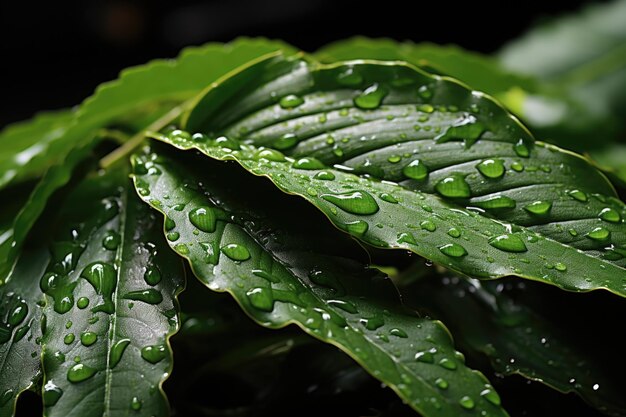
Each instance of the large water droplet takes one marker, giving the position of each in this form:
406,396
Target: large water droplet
490,395
325,176
467,129
388,198
599,233
154,354
357,227
18,314
356,202
491,168
80,372
270,155
453,186
88,338
538,207
495,203
117,351
610,215
51,394
261,298
203,218
308,164
69,338
150,296
152,276
508,243
521,149
467,402
111,240
236,252
453,250
291,101
372,323
346,306
428,226
82,303
425,357
371,98
103,278
578,195
415,170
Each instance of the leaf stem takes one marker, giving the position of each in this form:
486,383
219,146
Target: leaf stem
137,139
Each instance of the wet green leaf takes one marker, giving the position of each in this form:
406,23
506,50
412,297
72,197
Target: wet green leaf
546,206
256,253
102,340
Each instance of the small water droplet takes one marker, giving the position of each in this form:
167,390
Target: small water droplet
415,170
610,215
154,354
398,333
578,195
357,227
111,240
454,232
135,404
103,279
69,338
491,168
324,176
79,373
152,276
428,225
490,395
598,233
394,159
521,149
372,323
88,338
290,101
308,164
441,383
117,351
447,364
203,218
467,402
356,202
560,266
346,306
453,250
270,155
371,98
425,356
182,249
349,78
453,186
82,303
286,141
236,252
538,207
261,298
508,243
388,198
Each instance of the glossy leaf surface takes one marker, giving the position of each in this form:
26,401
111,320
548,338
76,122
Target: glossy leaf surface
256,252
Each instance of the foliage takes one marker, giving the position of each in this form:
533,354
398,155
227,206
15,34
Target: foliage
303,186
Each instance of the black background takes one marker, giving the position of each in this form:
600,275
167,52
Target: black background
55,53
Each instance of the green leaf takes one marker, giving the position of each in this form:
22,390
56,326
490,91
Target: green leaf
278,277
465,185
20,329
111,290
28,149
585,53
14,235
549,110
612,159
517,340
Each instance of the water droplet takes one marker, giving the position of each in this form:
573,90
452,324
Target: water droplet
69,338
203,218
467,403
394,159
236,252
441,383
491,168
103,278
154,354
88,338
424,92
467,129
454,232
508,243
521,149
51,394
398,333
428,225
425,108
117,351
371,98
447,364
290,101
495,203
356,202
83,302
357,227
18,314
325,176
135,404
560,266
490,395
349,78
111,240
152,276
169,224
286,141
225,142
372,323
261,298
182,249
173,236
270,155
79,373
453,186
538,207
338,152
388,198
610,215
599,233
346,306
308,164
150,296
425,357
578,195
415,170
453,250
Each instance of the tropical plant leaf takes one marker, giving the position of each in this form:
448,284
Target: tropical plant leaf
585,53
20,329
516,339
14,235
29,148
279,278
549,110
612,159
541,213
111,291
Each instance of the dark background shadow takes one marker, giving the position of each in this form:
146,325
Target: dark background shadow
55,53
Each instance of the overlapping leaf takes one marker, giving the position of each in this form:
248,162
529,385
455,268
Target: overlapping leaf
472,190
253,248
110,289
